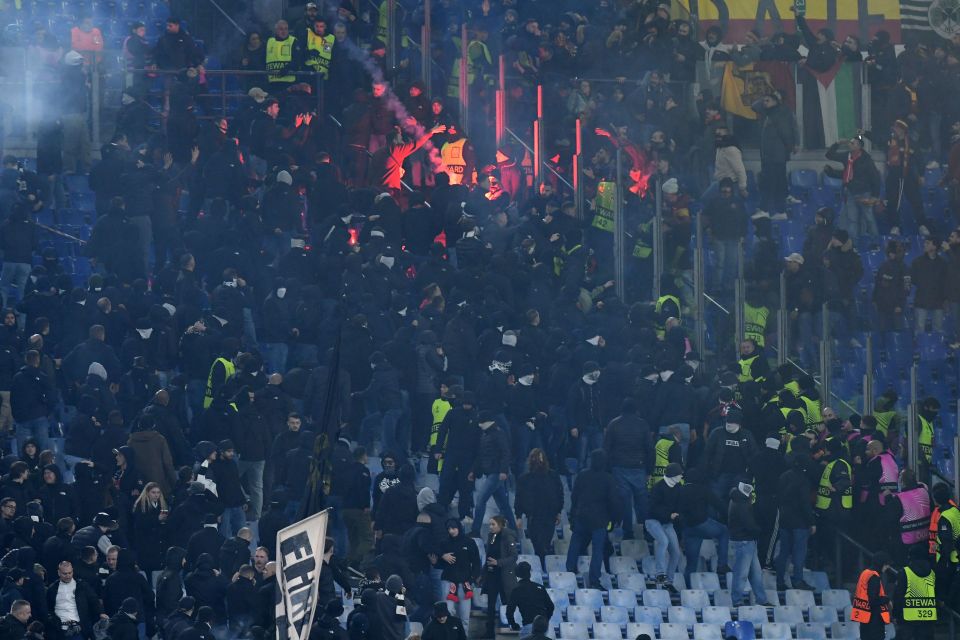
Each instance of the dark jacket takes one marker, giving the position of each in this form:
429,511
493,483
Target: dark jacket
452,629
664,501
778,133
206,541
795,495
741,521
146,530
464,550
738,448
397,510
539,495
122,627
865,179
627,442
594,502
88,606
31,394
928,275
532,599
493,452
208,588
170,584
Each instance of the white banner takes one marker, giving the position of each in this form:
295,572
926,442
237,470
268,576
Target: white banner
300,550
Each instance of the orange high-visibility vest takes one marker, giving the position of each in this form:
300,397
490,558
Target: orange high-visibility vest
861,602
932,531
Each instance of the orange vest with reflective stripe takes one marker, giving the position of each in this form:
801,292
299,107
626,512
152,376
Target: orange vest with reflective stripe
861,602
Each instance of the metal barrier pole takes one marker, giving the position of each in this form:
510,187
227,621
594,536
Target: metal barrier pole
914,422
391,35
738,328
618,235
577,172
657,240
95,102
799,108
826,359
426,61
868,377
699,329
867,113
502,83
783,327
464,84
538,141
911,437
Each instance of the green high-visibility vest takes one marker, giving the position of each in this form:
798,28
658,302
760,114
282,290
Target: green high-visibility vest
926,439
755,323
279,59
228,367
951,515
825,497
661,458
920,601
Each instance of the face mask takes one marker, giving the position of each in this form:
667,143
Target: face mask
486,425
376,233
402,313
526,380
530,251
672,482
145,333
230,283
693,364
387,261
595,340
297,243
591,378
772,443
281,292
665,375
732,428
745,489
509,340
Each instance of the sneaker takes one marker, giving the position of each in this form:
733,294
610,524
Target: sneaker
924,231
895,231
779,216
792,200
669,587
760,214
803,585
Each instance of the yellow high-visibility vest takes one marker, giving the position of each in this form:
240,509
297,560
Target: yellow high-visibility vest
323,46
279,59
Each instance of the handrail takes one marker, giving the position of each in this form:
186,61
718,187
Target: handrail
530,149
715,303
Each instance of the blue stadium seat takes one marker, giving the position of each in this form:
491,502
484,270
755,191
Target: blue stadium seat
554,563
574,631
708,581
649,615
635,629
707,631
632,581
696,599
659,598
788,614
560,598
800,598
844,630
671,631
563,580
824,614
752,613
620,564
741,630
802,181
581,614
607,631
625,598
589,598
716,615
776,631
616,615
811,631
682,615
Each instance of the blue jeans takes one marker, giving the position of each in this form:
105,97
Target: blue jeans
14,274
746,565
578,539
275,356
386,424
251,475
921,315
793,544
693,538
666,547
195,391
722,484
38,428
488,486
232,521
725,269
633,493
857,218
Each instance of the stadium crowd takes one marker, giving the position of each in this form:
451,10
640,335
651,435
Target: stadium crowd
274,302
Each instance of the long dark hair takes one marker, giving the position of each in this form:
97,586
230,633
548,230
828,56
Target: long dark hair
537,461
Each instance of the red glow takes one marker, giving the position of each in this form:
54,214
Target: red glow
354,235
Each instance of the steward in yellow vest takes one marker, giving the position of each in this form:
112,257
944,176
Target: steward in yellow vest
835,490
752,365
915,595
281,58
319,49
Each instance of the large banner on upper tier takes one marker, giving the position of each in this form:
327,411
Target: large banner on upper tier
857,17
